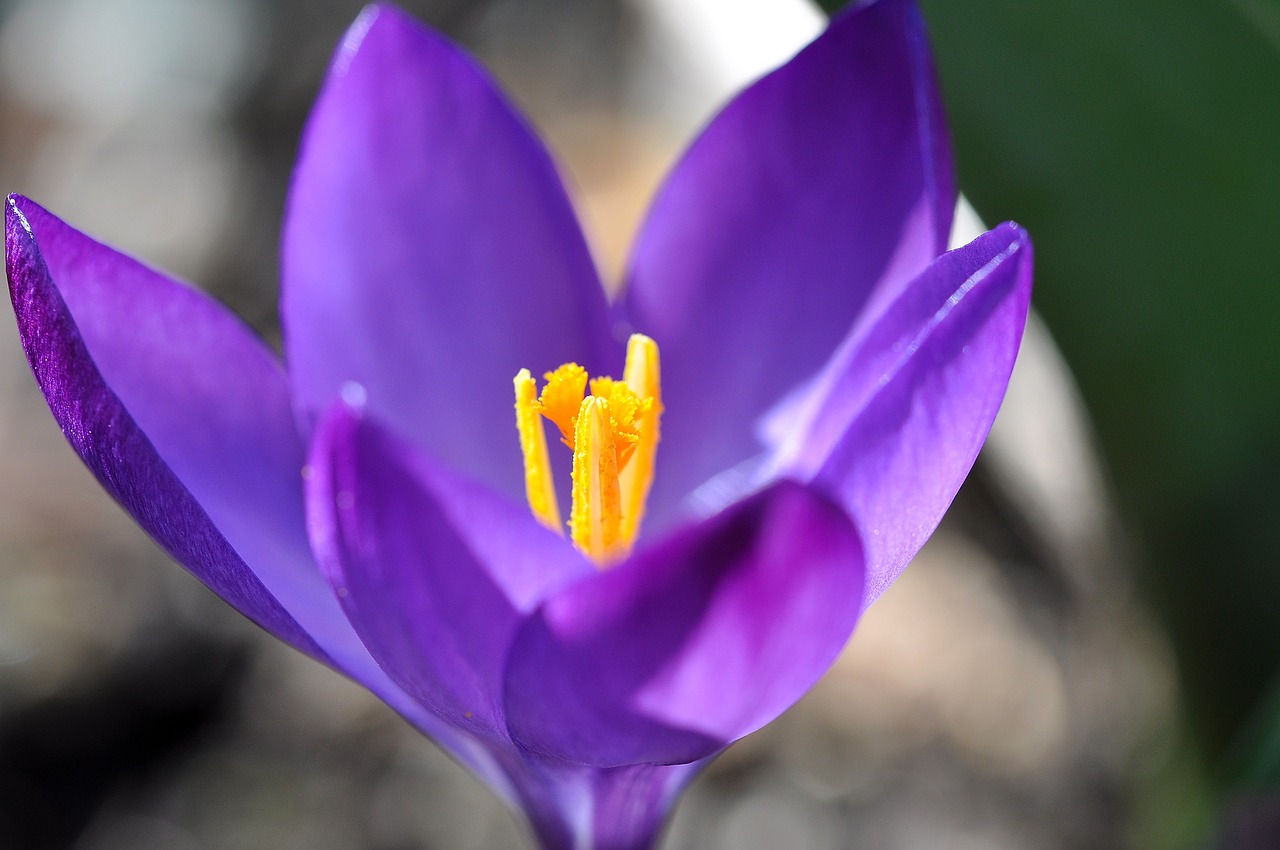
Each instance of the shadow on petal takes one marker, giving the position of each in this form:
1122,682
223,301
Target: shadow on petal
895,422
693,642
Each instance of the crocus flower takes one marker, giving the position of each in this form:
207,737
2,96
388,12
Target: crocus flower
828,375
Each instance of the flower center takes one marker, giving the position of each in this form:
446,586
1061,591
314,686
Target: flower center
613,434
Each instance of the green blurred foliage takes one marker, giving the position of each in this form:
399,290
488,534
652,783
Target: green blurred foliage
1253,764
1139,142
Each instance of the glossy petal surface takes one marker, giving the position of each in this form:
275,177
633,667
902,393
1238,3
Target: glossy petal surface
693,642
897,418
185,420
435,572
814,195
429,250
179,418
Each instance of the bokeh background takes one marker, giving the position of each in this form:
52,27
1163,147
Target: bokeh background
1084,657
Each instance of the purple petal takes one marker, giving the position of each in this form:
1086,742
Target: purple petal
692,643
813,196
574,806
895,422
621,808
435,573
184,417
181,414
430,251
631,803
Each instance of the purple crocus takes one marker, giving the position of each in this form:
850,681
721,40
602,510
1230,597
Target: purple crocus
828,376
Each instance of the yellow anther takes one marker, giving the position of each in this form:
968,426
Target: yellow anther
562,396
625,410
642,374
539,486
613,433
596,519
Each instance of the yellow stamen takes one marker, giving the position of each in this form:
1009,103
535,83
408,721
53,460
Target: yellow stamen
562,396
596,518
539,486
613,433
625,409
642,375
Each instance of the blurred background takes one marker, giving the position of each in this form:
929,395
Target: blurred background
1086,656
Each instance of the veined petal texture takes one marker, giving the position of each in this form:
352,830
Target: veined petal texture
179,411
429,250
435,572
810,200
694,641
183,415
895,422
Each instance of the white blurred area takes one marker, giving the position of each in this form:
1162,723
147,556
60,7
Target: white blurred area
702,51
131,96
979,704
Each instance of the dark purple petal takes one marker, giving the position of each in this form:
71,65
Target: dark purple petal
895,422
693,642
434,572
814,196
183,415
430,251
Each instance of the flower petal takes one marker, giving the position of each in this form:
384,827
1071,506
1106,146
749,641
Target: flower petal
576,806
180,413
621,807
430,251
895,422
183,415
693,642
434,572
813,196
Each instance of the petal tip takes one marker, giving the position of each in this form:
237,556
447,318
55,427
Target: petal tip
1020,244
355,36
368,27
13,213
1017,231
373,18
